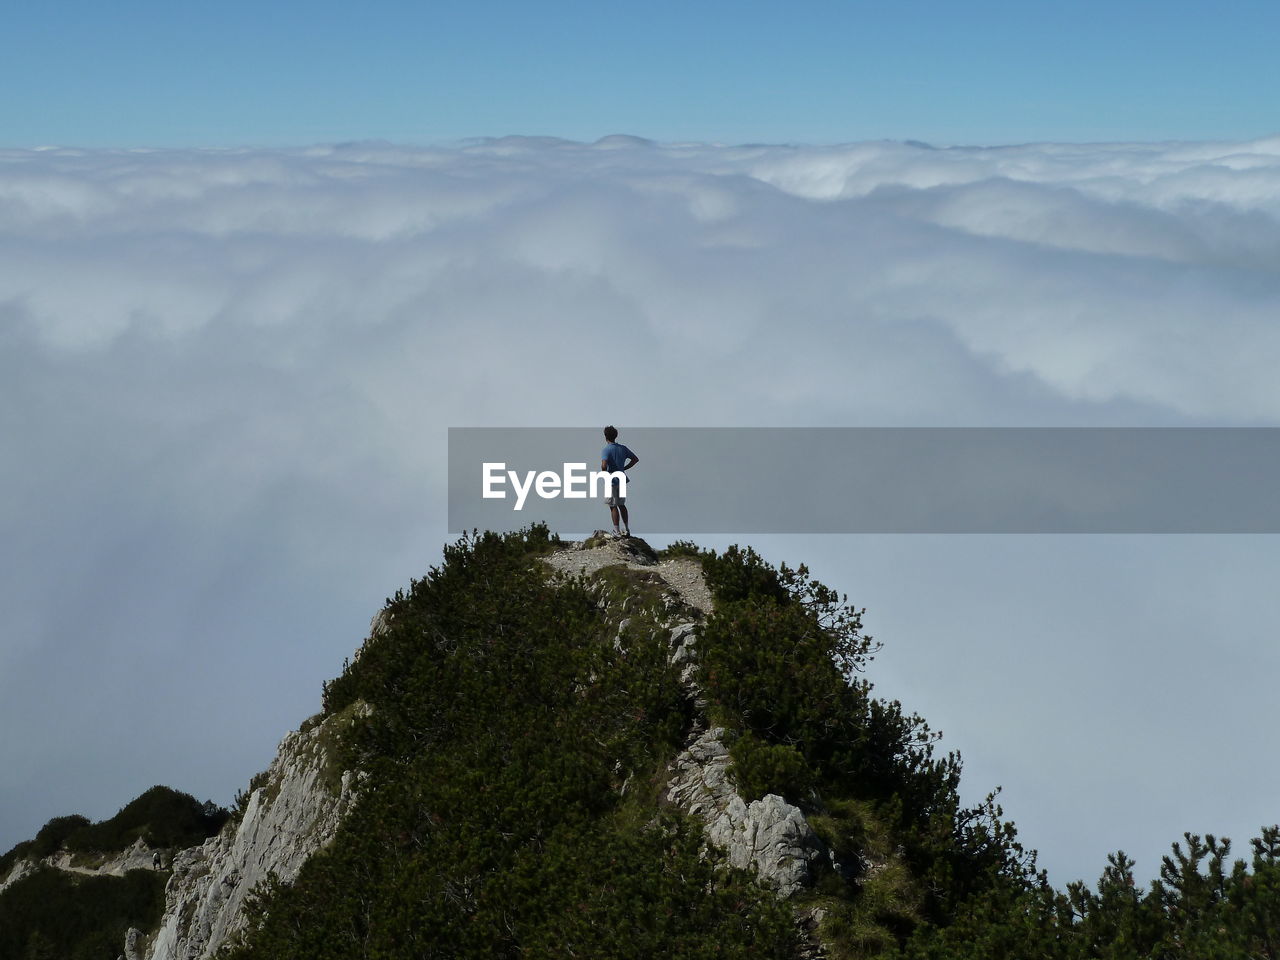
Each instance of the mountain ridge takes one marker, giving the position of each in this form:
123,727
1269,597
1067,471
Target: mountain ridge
596,749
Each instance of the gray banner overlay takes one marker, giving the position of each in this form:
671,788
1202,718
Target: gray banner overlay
739,480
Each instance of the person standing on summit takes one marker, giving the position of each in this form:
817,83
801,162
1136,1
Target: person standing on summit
616,457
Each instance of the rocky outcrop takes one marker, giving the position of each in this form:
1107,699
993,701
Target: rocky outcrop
287,818
133,942
768,836
685,585
20,870
299,807
139,856
683,640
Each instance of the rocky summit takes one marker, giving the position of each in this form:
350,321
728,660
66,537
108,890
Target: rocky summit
532,754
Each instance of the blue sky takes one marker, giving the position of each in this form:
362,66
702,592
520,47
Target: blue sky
235,73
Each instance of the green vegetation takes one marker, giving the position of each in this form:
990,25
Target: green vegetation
161,817
925,879
506,722
48,841
73,917
517,749
782,660
59,915
1201,906
517,753
761,768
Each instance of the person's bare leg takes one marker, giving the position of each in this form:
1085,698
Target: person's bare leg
613,512
626,522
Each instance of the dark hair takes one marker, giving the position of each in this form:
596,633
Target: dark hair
611,433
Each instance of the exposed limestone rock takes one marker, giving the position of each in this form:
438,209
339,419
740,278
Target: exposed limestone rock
296,812
20,870
304,799
139,856
380,624
684,654
682,575
133,944
628,549
769,836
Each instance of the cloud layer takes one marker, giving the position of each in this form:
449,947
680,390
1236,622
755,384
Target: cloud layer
227,375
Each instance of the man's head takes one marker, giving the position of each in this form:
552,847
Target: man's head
611,434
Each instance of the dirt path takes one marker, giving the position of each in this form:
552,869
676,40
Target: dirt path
682,574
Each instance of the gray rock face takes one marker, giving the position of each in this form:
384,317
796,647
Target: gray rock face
139,856
294,814
684,654
21,870
769,836
133,944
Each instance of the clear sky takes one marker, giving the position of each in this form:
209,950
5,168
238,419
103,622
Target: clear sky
232,73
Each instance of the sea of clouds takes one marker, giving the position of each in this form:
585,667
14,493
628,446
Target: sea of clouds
227,375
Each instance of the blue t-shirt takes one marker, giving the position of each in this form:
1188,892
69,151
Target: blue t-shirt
615,455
